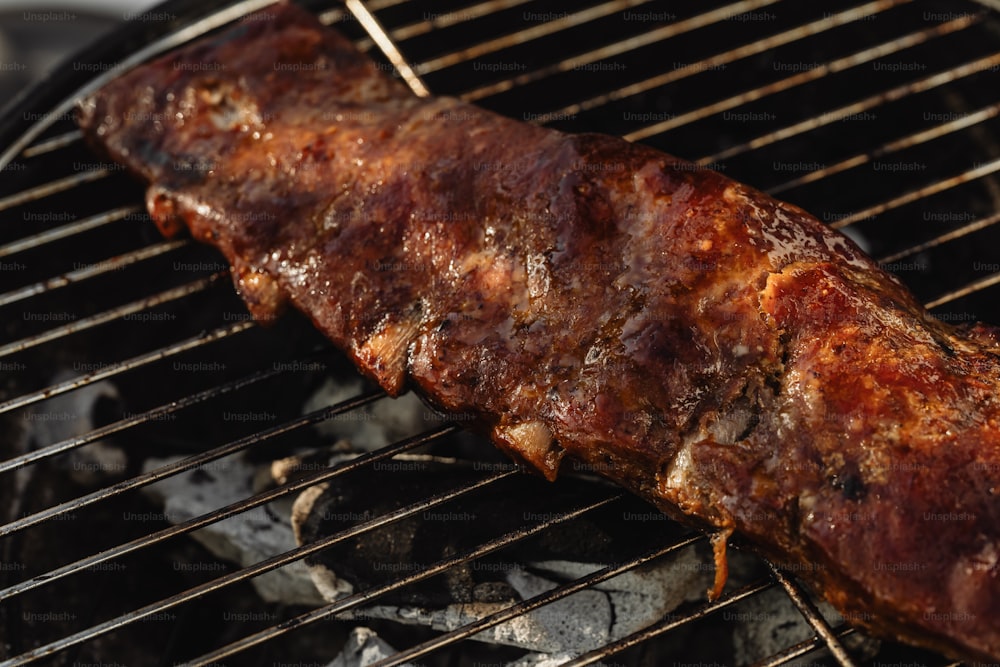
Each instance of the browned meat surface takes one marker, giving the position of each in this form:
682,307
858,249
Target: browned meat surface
718,352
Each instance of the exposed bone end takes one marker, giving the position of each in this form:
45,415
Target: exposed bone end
384,355
261,293
531,443
163,210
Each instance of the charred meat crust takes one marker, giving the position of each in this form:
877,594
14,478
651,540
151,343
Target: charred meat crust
721,353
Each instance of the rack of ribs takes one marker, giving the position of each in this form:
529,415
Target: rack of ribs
720,353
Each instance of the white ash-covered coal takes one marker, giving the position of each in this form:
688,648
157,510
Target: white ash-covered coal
472,589
244,539
476,588
465,593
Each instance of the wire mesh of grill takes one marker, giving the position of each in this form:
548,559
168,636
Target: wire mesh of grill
894,103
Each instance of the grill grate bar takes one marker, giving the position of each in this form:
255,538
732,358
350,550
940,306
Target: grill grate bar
891,95
617,48
481,10
809,610
333,15
228,511
189,463
52,187
944,238
908,141
66,231
669,623
803,648
388,47
55,143
978,171
92,270
254,570
726,57
363,597
530,604
971,288
166,296
808,76
124,366
63,446
528,34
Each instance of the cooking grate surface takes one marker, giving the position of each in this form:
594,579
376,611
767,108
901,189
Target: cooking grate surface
879,117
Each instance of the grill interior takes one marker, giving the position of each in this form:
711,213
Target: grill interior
879,117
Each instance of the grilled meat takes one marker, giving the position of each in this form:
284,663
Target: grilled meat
720,353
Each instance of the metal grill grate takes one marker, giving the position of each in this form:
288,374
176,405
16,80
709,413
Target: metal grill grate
893,101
